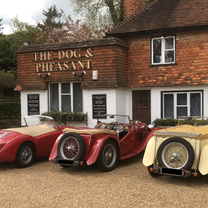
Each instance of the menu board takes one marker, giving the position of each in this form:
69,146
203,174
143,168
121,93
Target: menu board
99,105
33,104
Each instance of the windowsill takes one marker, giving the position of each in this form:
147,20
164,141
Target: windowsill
156,65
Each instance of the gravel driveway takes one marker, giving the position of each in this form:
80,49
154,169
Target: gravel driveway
48,185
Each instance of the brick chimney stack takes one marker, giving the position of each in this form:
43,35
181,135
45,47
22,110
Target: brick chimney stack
132,6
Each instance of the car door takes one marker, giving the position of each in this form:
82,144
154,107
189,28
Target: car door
46,142
127,144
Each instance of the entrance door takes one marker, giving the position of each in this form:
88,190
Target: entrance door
141,105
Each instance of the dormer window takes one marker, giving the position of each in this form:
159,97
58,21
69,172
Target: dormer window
163,50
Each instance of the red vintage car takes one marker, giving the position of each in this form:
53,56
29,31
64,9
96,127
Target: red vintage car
106,143
35,140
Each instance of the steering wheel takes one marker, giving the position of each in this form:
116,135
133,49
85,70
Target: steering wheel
121,127
118,127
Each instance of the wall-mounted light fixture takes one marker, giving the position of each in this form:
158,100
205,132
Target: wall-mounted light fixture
44,77
79,75
95,75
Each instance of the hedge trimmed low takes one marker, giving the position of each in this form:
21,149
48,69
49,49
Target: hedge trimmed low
63,117
10,110
174,122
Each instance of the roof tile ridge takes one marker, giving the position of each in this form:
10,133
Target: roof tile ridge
133,15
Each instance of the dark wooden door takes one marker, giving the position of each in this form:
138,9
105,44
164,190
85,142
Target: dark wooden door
141,105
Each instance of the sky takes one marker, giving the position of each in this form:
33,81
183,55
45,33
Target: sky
29,11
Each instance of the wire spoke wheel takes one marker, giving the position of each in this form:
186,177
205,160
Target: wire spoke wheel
175,153
25,154
69,148
108,157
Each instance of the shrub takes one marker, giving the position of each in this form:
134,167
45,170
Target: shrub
63,117
10,110
174,122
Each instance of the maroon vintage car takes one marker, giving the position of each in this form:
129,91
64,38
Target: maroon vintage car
106,143
22,145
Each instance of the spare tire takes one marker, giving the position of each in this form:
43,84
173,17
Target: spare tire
176,153
71,146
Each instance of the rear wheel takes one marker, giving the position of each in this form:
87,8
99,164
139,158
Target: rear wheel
71,147
25,155
108,157
176,153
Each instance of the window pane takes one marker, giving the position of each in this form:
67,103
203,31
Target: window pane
169,56
157,51
195,101
66,103
77,97
54,97
181,111
181,99
141,99
65,88
168,106
168,43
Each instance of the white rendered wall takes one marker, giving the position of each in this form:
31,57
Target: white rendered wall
43,96
117,103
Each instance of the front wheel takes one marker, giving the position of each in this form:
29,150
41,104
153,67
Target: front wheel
108,157
25,155
176,153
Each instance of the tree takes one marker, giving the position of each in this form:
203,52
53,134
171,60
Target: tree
53,18
7,79
100,13
22,33
66,30
7,54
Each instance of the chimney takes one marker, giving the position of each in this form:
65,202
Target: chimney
132,6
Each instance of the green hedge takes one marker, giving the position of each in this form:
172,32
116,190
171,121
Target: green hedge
61,117
174,122
10,110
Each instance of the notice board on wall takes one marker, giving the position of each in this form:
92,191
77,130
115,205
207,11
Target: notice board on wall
33,102
99,105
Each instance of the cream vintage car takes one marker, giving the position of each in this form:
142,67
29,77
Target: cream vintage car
179,151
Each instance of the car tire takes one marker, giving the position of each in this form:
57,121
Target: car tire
71,147
176,153
25,155
108,157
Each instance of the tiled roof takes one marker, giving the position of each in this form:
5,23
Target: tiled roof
165,14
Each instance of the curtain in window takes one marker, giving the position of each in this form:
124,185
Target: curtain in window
77,97
168,106
54,97
195,101
65,99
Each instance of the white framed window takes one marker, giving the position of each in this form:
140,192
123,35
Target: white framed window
65,97
182,104
163,50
